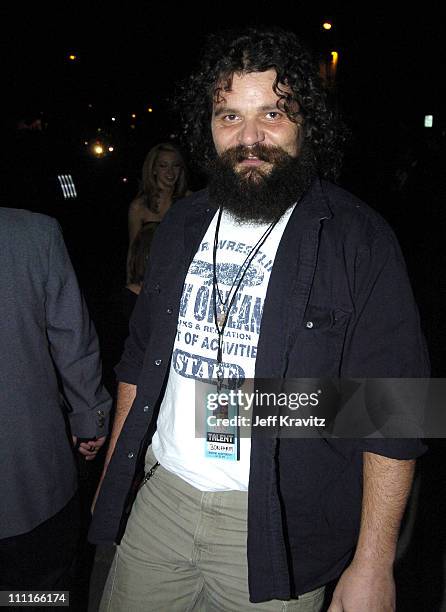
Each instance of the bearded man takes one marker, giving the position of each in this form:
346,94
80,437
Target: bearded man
272,272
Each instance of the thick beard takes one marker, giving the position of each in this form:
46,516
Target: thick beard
254,195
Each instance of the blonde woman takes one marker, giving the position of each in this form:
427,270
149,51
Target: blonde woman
164,180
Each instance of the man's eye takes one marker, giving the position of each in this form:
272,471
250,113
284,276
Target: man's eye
230,118
273,115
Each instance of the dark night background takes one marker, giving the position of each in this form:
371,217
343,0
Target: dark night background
130,56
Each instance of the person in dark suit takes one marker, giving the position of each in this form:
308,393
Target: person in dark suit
51,400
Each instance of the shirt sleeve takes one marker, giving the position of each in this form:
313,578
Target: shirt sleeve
386,342
129,368
74,345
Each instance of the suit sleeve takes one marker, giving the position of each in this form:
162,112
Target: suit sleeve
74,345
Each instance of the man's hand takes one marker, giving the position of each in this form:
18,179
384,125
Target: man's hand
90,448
367,585
364,589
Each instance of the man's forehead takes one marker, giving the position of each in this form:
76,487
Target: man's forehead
265,80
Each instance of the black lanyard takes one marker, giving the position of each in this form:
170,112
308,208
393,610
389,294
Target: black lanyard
221,319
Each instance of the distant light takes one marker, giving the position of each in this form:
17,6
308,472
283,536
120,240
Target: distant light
111,149
327,25
428,121
124,180
334,57
132,127
133,116
98,149
86,142
113,118
72,57
90,106
150,109
99,130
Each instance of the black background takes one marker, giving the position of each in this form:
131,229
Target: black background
131,55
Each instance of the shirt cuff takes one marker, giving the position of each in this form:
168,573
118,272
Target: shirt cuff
402,448
127,374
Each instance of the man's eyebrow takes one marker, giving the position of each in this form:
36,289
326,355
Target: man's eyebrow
270,107
225,110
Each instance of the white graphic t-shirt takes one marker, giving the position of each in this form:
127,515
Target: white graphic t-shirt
175,444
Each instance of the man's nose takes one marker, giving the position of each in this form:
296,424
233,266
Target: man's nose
251,133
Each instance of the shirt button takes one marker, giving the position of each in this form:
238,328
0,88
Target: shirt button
309,324
130,455
158,362
146,409
169,311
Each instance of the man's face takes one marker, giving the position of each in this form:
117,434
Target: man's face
263,165
248,117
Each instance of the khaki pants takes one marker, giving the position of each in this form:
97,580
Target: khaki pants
184,550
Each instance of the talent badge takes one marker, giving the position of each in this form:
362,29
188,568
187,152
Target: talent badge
222,433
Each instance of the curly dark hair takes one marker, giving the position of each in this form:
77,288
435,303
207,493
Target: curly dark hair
258,49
